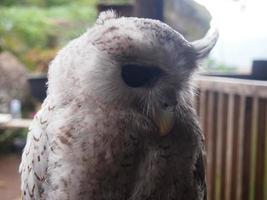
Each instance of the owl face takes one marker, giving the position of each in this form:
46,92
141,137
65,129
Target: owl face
135,64
145,65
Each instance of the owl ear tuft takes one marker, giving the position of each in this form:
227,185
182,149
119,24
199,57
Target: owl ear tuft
206,44
105,16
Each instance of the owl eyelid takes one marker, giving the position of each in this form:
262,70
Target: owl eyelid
138,75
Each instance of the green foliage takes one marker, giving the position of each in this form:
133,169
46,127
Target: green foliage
24,30
8,136
23,25
44,3
214,66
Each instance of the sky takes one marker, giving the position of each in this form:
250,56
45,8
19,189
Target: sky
243,31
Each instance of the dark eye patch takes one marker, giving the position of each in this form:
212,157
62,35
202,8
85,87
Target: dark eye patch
135,75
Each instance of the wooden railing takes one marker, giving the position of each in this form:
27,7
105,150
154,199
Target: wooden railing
233,115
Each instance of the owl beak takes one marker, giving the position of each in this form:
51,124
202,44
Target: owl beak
165,121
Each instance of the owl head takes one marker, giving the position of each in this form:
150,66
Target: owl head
135,64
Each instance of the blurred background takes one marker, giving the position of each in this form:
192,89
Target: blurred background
231,86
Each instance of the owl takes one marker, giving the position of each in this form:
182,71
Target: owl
118,121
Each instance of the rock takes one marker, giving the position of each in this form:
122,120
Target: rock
13,81
188,17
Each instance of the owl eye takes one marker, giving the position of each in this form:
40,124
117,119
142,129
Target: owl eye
135,75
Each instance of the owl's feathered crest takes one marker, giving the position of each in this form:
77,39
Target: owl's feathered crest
105,16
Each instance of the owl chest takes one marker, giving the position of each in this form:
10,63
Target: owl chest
132,168
116,162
